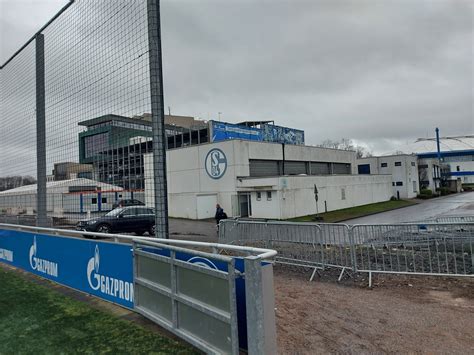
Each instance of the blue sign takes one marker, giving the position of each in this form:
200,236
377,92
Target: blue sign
216,163
278,134
223,131
85,265
102,269
266,133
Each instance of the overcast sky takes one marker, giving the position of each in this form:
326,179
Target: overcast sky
380,72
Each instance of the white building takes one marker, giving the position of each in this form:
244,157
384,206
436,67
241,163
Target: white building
403,169
78,195
457,152
263,180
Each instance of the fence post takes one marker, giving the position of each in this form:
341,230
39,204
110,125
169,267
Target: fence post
158,120
352,248
260,304
41,204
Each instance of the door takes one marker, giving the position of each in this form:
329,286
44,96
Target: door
245,205
206,206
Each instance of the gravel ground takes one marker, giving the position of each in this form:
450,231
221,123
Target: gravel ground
399,315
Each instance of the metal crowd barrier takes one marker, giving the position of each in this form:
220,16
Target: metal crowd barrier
437,249
448,219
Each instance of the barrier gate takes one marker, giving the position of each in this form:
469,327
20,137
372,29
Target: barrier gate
218,303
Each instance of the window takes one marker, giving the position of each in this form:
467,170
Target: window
343,194
104,199
259,196
94,200
383,165
399,183
95,144
458,168
269,195
414,186
363,169
393,183
413,163
398,163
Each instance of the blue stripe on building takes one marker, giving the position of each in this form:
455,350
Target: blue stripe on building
462,173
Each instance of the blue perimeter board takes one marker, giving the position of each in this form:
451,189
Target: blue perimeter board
99,268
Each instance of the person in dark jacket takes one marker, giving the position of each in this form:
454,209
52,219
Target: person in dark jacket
220,214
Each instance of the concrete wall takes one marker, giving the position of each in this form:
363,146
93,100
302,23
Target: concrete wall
187,176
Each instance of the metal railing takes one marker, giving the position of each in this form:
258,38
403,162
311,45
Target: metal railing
182,296
424,249
153,294
448,219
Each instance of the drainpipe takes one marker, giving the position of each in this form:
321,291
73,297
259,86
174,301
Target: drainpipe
283,165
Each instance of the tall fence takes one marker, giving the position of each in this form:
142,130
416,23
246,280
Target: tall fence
81,106
428,249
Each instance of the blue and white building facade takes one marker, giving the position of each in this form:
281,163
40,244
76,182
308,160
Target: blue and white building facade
457,152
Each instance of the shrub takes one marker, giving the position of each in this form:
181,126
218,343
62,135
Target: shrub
444,191
426,192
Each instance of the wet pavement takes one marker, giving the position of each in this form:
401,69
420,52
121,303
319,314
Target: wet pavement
454,205
202,230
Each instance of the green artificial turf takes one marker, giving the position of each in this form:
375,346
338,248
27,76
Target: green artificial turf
40,320
355,212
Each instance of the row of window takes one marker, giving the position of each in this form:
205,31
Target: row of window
269,196
397,163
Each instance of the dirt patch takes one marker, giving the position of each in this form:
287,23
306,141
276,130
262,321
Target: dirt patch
400,314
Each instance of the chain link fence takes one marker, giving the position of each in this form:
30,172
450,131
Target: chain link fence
81,105
427,249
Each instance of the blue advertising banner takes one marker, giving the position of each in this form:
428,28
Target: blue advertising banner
102,269
222,131
267,133
278,134
99,268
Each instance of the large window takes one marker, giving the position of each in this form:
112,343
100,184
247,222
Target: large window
96,144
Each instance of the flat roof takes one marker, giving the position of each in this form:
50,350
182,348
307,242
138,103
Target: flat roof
112,117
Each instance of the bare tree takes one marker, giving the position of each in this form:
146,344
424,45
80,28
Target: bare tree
12,182
346,144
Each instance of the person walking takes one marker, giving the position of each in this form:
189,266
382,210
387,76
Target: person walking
220,215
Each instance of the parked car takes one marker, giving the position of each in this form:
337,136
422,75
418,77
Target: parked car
126,203
133,219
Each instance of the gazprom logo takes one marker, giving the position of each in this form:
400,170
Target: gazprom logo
42,265
216,163
106,284
203,262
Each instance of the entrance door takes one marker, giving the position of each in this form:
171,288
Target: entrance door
245,205
206,206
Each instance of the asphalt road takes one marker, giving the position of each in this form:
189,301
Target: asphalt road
453,205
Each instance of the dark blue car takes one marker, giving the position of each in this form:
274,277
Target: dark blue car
134,219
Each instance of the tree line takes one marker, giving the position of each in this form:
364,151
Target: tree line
12,182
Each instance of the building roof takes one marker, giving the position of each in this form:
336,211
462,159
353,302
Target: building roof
447,144
112,117
60,187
